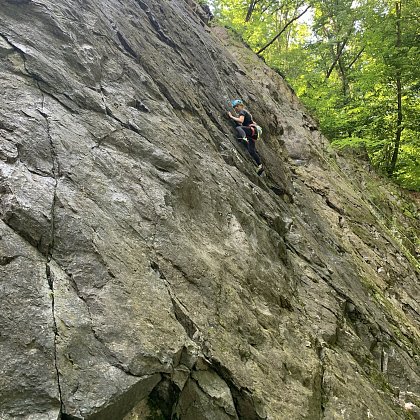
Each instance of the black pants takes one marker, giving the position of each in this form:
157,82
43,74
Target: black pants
246,132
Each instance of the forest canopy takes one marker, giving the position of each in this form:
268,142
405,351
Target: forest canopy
354,64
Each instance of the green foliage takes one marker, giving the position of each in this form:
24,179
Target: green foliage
351,63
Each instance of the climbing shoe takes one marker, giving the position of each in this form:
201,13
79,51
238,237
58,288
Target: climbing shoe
260,169
243,140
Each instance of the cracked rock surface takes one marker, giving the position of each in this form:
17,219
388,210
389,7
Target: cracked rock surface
146,271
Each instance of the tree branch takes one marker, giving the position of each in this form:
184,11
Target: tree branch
340,50
284,28
355,58
337,57
251,8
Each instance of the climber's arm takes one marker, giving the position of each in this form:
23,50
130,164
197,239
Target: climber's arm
239,119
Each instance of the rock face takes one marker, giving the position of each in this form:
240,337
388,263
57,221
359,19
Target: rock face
148,272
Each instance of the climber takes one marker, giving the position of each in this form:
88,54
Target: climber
247,131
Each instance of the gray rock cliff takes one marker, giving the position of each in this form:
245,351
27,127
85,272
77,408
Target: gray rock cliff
147,272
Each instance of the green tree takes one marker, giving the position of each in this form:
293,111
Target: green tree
384,84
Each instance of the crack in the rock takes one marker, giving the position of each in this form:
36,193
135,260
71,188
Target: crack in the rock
218,305
5,260
5,128
50,281
63,104
302,256
155,221
111,358
56,173
126,45
213,398
323,392
318,191
128,125
102,139
50,244
38,172
26,237
242,397
37,78
181,315
101,90
180,311
156,25
331,205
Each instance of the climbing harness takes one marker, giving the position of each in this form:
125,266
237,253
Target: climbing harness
256,131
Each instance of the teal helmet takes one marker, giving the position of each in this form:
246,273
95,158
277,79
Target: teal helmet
236,102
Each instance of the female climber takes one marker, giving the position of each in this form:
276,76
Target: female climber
247,131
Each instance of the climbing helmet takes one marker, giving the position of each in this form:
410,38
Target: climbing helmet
236,102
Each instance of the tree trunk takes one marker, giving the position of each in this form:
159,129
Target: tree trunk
344,79
398,132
